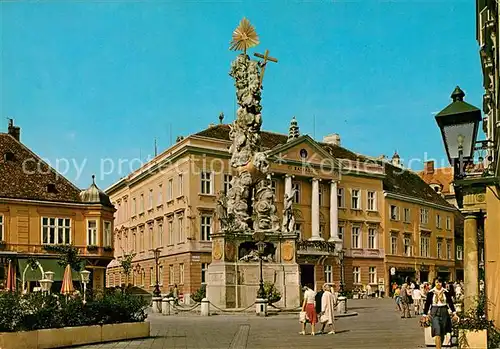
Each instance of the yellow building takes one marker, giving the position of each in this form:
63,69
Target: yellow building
171,201
41,210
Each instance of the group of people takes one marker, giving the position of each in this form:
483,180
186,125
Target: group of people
436,303
410,297
319,307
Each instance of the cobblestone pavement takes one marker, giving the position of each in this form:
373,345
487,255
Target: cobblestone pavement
378,325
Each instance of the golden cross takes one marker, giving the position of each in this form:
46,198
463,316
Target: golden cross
266,58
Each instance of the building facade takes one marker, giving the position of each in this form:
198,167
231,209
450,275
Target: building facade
441,181
171,203
482,192
40,211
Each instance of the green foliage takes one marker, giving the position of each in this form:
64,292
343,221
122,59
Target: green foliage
199,294
92,248
68,255
33,263
38,311
10,312
475,320
272,293
126,263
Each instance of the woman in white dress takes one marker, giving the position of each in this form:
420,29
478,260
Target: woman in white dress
328,304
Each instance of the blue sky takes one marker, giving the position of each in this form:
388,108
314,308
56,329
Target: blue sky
97,80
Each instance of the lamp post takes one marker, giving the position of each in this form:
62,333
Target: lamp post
156,251
85,275
459,124
341,259
339,247
261,245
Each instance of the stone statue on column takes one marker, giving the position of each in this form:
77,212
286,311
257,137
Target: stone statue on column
250,185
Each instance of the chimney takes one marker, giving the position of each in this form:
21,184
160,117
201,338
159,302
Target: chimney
14,131
429,167
333,139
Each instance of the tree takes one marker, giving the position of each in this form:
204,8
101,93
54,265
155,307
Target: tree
126,264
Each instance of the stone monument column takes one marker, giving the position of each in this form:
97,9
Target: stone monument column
315,211
471,270
288,184
334,213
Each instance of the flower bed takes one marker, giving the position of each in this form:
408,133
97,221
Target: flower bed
52,321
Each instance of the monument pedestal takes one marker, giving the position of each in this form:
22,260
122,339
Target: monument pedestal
261,307
234,274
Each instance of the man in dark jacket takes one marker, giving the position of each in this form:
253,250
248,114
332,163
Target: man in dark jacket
317,301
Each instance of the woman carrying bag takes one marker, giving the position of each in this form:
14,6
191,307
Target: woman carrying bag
308,313
436,312
328,305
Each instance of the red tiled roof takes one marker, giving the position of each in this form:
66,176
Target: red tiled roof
23,175
442,176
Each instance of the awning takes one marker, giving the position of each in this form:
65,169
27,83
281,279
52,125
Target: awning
47,265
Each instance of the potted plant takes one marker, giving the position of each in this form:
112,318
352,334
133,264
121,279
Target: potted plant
2,245
474,330
92,248
272,293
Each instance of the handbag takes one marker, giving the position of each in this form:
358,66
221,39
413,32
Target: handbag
323,319
303,317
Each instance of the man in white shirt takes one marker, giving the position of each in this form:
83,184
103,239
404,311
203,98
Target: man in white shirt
417,300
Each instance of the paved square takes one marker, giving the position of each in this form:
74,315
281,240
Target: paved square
378,325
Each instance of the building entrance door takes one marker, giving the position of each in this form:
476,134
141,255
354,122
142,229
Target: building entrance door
307,275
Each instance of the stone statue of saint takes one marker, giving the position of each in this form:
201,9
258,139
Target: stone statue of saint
222,209
288,216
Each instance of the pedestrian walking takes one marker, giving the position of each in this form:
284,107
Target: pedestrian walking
308,307
405,301
436,308
328,305
397,299
317,302
417,299
176,295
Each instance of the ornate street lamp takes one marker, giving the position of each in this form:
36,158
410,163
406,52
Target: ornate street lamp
459,124
85,275
339,246
46,284
49,275
261,245
157,291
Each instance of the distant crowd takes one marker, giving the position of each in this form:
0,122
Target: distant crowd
410,296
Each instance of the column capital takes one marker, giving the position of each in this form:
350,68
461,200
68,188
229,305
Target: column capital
471,215
287,175
313,179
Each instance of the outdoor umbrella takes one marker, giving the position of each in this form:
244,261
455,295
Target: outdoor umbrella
11,277
67,282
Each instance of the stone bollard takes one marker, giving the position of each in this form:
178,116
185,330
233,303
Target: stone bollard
205,307
261,307
156,305
342,305
165,306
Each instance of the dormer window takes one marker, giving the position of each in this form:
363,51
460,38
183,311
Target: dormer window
9,156
51,188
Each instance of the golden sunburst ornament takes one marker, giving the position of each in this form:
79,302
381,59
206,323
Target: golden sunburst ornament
244,37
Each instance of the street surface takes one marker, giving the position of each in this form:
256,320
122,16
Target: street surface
378,325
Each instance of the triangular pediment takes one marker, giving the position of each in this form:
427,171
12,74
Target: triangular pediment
302,150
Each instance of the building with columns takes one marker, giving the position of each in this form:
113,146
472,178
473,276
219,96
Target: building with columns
384,215
42,212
